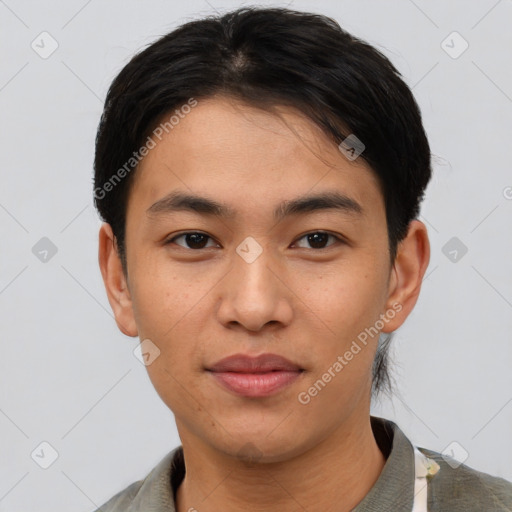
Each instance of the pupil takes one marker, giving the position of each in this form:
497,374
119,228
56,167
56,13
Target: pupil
316,240
196,240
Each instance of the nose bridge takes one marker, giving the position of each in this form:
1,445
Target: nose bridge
254,276
252,295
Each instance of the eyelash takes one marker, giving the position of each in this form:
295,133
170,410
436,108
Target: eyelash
336,237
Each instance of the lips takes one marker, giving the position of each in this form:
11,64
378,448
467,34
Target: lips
263,363
259,376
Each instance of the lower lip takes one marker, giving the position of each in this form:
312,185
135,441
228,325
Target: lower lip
256,384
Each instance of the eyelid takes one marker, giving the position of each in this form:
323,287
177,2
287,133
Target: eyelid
339,238
172,238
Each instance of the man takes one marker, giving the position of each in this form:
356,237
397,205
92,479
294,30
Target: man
260,176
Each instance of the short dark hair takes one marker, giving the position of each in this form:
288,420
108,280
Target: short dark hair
268,57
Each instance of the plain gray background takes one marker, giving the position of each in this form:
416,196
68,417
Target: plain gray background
70,379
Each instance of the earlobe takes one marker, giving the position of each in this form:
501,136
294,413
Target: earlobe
411,262
115,281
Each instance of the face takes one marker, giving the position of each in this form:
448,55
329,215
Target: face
252,267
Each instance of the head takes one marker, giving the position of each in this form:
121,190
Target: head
246,129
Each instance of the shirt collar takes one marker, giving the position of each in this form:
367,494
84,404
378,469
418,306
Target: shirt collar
393,490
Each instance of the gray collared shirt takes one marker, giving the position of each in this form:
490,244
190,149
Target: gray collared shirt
449,490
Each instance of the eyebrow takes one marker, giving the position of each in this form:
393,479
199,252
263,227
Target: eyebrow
180,201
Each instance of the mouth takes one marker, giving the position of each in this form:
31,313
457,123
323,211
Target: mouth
259,376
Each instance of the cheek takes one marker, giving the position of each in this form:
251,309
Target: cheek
162,297
347,301
171,309
167,312
347,307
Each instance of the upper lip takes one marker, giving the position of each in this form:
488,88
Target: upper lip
243,363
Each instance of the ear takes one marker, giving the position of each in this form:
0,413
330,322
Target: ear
115,281
411,262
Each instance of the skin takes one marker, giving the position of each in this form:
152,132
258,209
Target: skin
304,302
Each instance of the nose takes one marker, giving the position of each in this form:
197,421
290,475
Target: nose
254,294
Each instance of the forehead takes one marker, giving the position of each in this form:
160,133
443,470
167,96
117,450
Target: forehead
227,148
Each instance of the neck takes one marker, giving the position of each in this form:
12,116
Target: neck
340,470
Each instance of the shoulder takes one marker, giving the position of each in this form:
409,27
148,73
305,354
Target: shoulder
153,492
122,500
460,487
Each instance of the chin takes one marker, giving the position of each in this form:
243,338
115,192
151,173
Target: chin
259,448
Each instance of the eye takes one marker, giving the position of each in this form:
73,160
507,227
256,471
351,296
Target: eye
192,239
319,239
